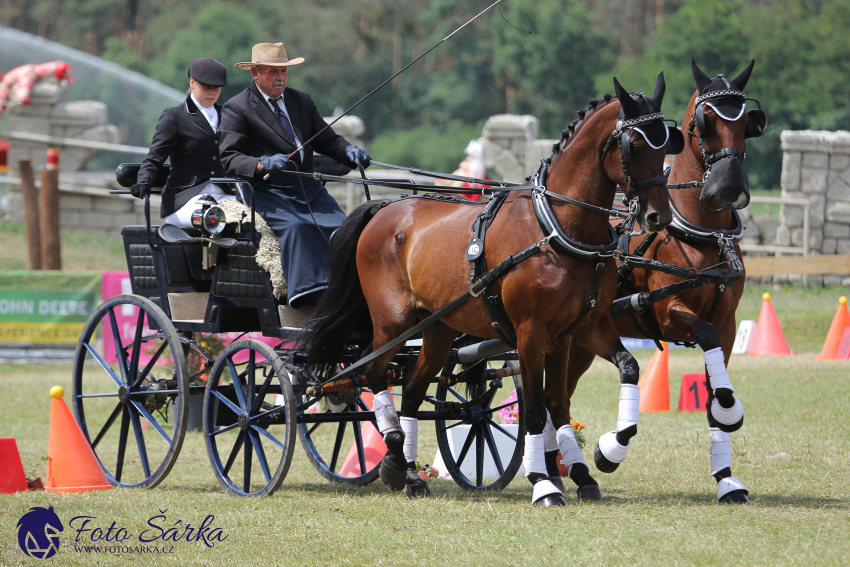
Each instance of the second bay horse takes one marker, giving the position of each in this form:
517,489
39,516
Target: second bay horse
704,234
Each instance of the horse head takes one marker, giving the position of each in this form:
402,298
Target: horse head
718,126
644,140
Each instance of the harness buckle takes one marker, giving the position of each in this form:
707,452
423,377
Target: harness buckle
476,292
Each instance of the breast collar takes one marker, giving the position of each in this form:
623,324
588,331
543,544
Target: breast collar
552,228
682,228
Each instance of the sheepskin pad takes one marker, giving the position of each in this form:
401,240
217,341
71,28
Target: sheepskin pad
268,253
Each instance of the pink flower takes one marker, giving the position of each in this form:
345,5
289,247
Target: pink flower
510,414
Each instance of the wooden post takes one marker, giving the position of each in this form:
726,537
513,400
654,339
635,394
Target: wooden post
29,192
49,206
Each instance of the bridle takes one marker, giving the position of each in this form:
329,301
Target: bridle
696,127
622,135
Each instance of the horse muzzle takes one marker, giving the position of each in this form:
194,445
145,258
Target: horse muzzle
727,187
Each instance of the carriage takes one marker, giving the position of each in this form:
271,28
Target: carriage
152,361
559,292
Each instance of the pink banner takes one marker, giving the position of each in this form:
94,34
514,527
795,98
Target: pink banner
118,283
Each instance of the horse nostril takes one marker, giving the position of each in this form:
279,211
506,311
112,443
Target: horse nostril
652,219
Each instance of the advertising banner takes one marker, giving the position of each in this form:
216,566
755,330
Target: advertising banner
43,313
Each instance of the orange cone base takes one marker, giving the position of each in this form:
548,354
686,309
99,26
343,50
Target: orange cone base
12,477
654,384
374,447
72,465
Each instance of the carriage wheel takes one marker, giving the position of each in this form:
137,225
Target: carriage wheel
130,389
469,445
249,419
340,450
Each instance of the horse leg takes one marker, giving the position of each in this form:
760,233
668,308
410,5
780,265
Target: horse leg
532,365
393,469
724,411
613,447
436,342
558,434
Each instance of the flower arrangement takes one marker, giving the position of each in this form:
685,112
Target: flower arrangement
510,415
426,471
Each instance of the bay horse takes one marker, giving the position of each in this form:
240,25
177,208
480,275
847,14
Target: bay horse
398,261
704,233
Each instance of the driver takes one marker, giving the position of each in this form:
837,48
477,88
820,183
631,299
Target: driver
260,128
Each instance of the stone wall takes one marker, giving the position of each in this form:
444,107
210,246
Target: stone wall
816,166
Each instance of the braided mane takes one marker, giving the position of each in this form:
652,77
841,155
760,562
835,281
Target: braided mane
565,134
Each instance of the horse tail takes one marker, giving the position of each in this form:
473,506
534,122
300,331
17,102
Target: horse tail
342,311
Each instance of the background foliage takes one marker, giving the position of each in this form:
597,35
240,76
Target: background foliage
801,48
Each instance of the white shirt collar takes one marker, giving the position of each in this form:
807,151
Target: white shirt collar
209,113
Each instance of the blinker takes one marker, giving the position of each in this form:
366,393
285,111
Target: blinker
757,124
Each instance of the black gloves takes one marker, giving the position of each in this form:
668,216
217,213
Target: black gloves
354,153
277,162
139,190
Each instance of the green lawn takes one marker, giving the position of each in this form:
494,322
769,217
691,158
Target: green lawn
793,453
79,251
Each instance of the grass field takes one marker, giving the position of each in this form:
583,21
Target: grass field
660,508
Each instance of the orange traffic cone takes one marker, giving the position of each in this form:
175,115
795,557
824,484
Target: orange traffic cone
374,447
12,477
654,383
769,337
836,330
71,464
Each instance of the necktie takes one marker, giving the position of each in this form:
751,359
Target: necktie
284,121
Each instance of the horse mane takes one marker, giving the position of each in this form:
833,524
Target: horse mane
592,105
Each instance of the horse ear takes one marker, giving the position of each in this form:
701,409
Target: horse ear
660,87
741,80
627,103
701,78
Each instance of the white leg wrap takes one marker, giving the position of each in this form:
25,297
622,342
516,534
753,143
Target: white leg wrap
728,485
385,413
729,416
550,438
629,410
718,378
568,446
533,459
542,489
612,449
716,367
410,426
720,451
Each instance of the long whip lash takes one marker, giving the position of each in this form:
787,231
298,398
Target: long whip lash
391,78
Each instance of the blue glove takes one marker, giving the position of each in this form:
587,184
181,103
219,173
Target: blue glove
354,153
277,162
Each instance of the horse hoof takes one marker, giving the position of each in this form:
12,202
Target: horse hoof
393,470
393,478
602,463
558,482
418,489
735,497
590,493
550,501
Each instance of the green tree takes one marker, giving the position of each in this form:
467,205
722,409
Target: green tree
550,72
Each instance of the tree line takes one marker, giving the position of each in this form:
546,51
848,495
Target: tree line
426,116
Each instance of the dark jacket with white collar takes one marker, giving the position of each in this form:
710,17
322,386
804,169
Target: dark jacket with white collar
184,135
249,130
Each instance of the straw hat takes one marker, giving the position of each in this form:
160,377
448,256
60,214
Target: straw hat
272,54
